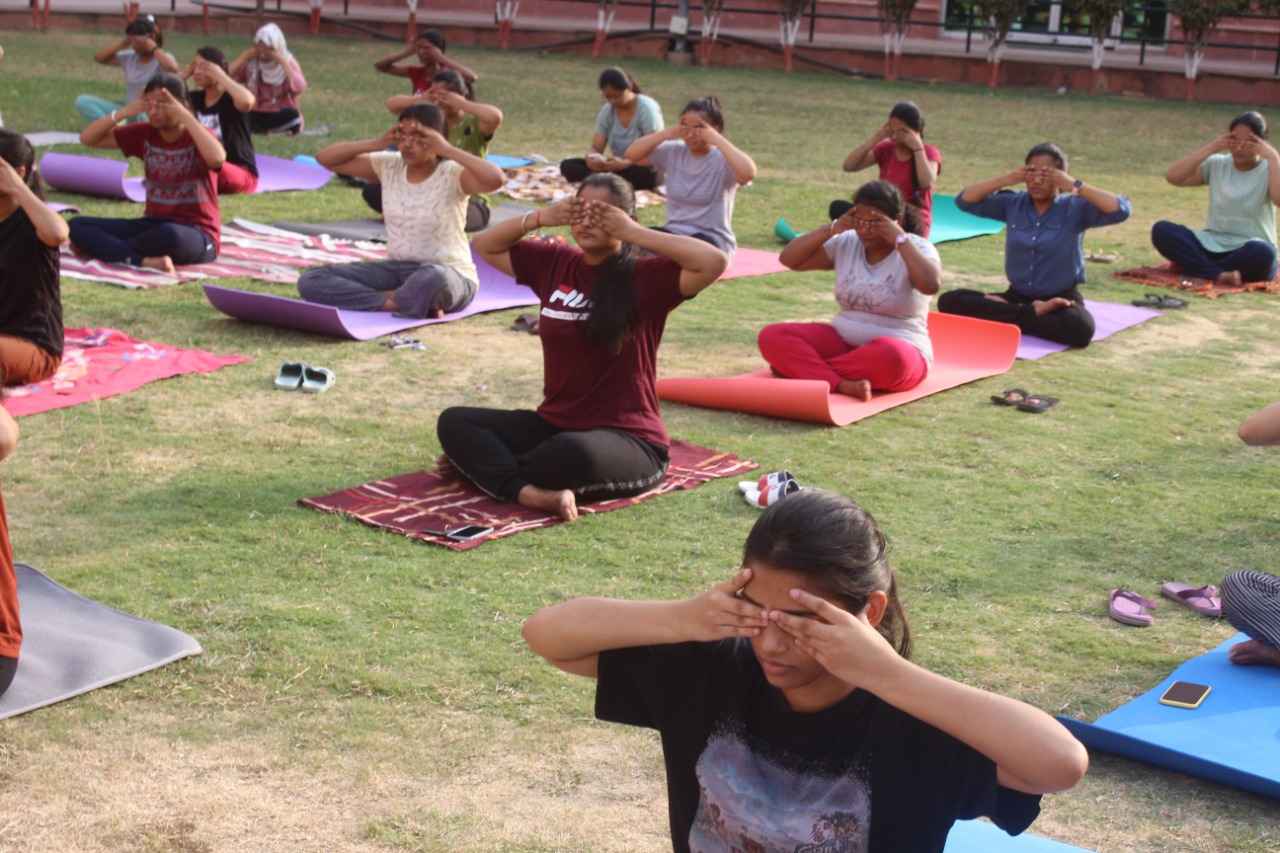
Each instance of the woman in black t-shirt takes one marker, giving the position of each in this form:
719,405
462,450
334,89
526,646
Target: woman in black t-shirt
222,105
788,708
30,300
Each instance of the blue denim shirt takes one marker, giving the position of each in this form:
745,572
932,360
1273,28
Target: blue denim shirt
1043,253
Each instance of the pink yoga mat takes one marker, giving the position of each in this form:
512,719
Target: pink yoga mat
1108,317
749,262
100,363
106,178
964,350
497,292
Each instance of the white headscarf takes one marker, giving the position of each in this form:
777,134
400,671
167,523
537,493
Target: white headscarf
272,72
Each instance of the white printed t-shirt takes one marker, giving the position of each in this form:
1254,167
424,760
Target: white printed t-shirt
425,221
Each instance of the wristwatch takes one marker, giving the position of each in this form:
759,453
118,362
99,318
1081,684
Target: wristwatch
900,239
1078,184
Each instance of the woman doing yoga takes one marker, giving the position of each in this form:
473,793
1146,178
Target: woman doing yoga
789,710
30,298
627,115
426,184
885,274
899,149
703,172
270,72
139,56
598,433
429,48
1238,242
221,104
1044,247
183,222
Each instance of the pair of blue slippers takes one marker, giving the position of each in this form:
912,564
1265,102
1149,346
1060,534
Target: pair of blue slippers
300,376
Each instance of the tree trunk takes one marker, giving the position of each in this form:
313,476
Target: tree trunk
786,58
993,73
1094,74
504,33
1191,89
599,44
315,21
704,52
897,63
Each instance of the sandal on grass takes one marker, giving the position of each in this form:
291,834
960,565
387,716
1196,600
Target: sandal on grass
1010,397
1129,608
1202,600
317,379
1152,300
1037,403
290,376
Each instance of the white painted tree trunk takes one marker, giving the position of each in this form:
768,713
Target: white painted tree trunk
506,10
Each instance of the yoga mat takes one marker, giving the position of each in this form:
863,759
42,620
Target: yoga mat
106,178
349,229
1108,317
498,291
45,138
413,504
72,645
1167,275
977,836
1233,738
964,350
951,223
101,363
749,262
505,162
59,207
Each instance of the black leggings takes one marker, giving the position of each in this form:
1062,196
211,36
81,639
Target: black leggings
504,451
8,666
575,169
1071,326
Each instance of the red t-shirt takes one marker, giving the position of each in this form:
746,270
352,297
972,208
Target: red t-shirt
420,78
10,626
180,185
901,174
584,386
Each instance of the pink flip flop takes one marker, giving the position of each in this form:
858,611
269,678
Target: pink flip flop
1129,608
1202,600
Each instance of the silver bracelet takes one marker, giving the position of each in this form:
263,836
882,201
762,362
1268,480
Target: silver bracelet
524,222
113,116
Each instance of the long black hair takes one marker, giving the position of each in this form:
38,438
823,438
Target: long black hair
214,55
18,153
835,543
886,198
616,78
909,114
614,315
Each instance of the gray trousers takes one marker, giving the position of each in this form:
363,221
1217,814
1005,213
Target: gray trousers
420,289
1251,603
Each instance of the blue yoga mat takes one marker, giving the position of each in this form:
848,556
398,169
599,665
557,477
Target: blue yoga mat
976,836
1232,738
951,223
505,162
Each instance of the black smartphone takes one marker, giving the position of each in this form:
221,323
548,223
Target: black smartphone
463,534
1184,694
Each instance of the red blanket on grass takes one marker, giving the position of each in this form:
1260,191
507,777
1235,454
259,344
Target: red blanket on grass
1167,275
413,504
98,363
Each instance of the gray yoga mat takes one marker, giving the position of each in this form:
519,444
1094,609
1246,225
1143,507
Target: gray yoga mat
374,229
72,645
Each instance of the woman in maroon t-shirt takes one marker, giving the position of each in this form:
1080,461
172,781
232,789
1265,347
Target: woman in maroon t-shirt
598,433
183,221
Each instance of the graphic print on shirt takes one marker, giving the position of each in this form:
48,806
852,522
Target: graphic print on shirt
868,293
213,121
173,175
752,803
568,296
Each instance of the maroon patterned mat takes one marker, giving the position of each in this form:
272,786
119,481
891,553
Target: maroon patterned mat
1167,275
413,504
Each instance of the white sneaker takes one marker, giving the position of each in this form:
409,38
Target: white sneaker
766,481
769,497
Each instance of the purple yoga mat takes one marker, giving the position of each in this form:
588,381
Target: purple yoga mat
106,178
498,291
1108,317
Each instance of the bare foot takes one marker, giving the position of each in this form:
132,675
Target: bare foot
1254,653
562,503
1048,306
1230,279
164,263
995,297
446,470
858,389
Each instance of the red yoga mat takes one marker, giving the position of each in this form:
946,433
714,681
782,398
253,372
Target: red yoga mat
964,350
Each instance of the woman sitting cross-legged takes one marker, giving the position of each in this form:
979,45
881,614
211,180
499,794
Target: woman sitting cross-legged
425,185
703,172
1238,243
221,105
885,274
1044,247
598,433
183,222
627,115
274,77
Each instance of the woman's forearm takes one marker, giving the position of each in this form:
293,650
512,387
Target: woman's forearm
644,146
573,634
107,55
1186,171
480,175
802,249
744,168
386,64
924,271
1104,200
334,157
977,192
860,157
50,227
925,174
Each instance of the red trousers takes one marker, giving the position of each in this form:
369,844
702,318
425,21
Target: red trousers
233,179
816,351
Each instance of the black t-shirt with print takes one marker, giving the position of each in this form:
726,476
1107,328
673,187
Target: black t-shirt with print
230,126
30,295
746,773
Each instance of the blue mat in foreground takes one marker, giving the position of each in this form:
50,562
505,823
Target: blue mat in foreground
976,836
1232,738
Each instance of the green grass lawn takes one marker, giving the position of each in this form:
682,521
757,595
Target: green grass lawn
361,691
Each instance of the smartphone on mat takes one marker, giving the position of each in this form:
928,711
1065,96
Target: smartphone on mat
464,534
1184,694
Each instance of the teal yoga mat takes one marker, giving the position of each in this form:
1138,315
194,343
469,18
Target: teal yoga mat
951,223
1232,738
